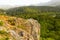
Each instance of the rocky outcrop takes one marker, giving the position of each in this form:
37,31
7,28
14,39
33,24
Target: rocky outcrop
21,29
35,29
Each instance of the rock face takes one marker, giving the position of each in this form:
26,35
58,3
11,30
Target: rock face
35,29
20,29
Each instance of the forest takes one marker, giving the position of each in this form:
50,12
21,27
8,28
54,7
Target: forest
48,17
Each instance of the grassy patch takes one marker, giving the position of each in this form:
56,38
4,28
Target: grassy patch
1,23
22,27
3,32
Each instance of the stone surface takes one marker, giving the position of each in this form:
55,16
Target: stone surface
21,29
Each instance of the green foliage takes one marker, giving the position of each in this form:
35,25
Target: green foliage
7,38
50,39
1,23
3,32
48,17
4,38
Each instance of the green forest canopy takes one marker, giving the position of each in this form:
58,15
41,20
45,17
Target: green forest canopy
48,17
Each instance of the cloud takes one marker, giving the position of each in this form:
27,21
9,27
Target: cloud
20,2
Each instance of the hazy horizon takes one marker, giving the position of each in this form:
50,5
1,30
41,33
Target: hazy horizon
6,4
17,3
21,2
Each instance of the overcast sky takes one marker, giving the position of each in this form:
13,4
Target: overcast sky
21,2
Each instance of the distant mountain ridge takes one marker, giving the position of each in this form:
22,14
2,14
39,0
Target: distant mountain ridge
50,3
7,6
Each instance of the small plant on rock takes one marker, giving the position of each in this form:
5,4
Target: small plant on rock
1,23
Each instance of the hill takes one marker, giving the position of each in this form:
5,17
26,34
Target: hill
47,16
42,10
